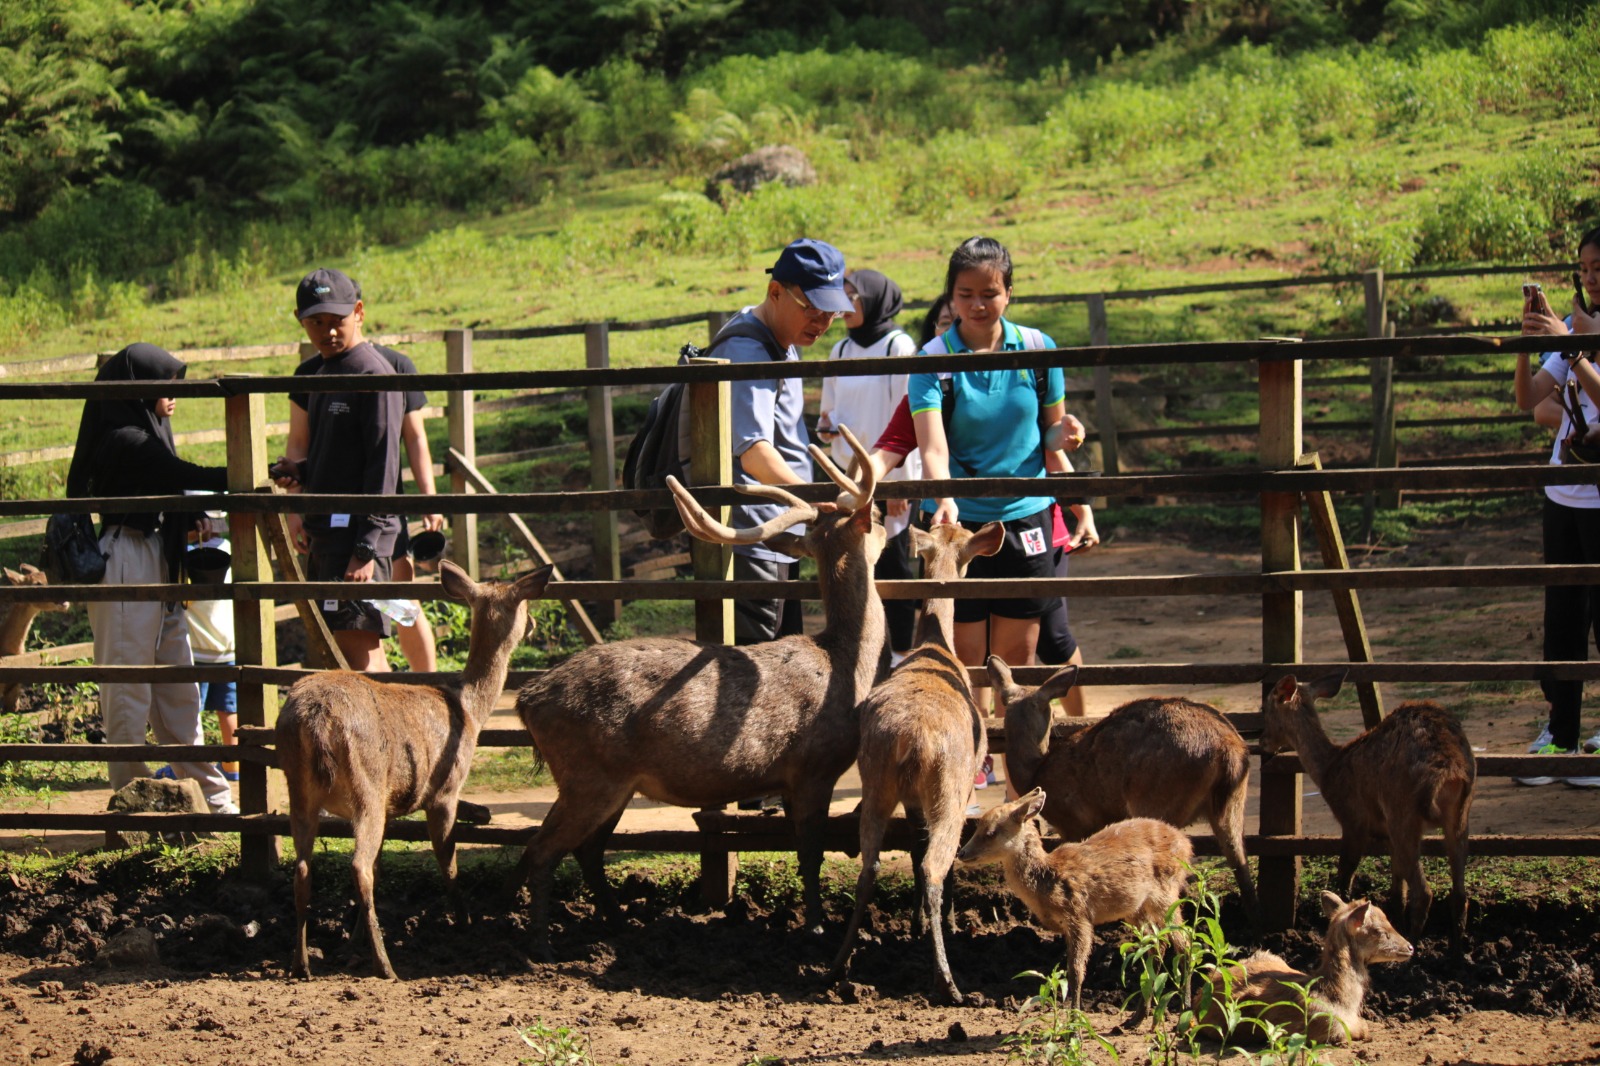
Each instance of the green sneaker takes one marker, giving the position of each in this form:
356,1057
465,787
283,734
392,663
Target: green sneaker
1548,749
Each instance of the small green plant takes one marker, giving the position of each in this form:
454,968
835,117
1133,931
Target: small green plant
1062,1035
558,1046
1286,1046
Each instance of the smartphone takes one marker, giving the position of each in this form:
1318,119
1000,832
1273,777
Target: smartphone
1532,296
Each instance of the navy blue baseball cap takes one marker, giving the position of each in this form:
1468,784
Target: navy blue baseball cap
326,292
818,269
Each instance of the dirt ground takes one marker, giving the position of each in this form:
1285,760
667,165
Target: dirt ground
743,986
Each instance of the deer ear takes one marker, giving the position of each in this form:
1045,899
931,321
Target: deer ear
1358,916
31,570
1287,690
530,586
1059,685
1330,904
920,541
14,577
862,520
457,585
999,674
1033,803
986,541
1326,688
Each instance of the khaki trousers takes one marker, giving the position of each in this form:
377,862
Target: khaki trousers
146,634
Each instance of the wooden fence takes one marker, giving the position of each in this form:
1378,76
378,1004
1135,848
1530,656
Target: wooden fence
1287,482
1382,426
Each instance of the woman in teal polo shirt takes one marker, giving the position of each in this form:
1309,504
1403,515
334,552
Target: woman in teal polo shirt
994,430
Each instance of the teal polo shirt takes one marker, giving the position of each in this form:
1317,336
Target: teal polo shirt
994,429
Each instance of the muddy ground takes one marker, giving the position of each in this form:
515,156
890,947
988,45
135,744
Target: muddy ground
689,986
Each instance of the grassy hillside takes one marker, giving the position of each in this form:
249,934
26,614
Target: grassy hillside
1164,168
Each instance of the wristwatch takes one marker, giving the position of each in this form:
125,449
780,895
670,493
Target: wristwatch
363,552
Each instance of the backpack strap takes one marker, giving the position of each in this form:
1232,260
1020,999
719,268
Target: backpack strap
749,331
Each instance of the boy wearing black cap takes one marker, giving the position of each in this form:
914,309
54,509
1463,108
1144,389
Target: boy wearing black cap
352,446
804,296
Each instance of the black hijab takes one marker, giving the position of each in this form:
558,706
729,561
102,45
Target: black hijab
101,418
880,303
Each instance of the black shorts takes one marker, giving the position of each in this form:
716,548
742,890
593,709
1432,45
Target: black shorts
1014,560
1056,643
346,615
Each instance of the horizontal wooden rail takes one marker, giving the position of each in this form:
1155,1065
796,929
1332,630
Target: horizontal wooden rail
1235,482
1067,358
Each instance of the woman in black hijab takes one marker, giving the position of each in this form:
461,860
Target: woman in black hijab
125,448
865,405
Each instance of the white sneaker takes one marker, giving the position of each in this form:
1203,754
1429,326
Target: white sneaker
227,808
1543,740
1584,782
1534,782
1592,745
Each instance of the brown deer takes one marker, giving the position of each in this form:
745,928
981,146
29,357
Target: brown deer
704,725
1167,758
1411,771
14,628
368,751
1130,871
921,742
1263,986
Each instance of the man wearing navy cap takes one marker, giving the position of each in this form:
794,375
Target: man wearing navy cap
804,295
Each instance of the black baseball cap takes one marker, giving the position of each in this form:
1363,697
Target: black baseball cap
326,292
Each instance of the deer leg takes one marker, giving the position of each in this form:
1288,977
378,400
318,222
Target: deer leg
591,855
1079,941
1406,857
367,828
1352,846
808,806
441,823
919,874
1228,825
938,858
568,824
303,826
874,822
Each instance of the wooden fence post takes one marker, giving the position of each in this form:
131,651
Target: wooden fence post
1104,414
463,438
715,320
1280,441
711,463
602,467
255,635
1385,448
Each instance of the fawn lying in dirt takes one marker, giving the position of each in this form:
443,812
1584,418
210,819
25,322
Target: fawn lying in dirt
1413,770
1359,934
1131,871
1167,758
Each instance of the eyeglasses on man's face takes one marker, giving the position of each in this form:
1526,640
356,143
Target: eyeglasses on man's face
812,312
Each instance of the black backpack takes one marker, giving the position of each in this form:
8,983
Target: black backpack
72,554
661,446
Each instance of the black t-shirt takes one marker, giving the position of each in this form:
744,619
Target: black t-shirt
354,450
416,399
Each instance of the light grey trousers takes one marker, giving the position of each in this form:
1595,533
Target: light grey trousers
146,634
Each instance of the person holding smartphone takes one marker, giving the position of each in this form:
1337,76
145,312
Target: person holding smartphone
1571,516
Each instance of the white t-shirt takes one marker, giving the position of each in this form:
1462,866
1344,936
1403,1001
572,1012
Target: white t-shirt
211,621
1583,496
865,404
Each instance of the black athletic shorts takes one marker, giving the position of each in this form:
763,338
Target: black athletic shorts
350,614
1027,553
